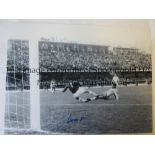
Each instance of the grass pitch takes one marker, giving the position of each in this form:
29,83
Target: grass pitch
62,114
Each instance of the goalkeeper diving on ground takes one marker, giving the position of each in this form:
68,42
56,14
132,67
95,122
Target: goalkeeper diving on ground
76,89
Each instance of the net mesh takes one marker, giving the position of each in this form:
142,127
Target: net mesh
17,111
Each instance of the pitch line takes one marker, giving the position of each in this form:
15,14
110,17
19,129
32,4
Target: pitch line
106,104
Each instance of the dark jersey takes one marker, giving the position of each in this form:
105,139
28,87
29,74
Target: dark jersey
114,85
73,87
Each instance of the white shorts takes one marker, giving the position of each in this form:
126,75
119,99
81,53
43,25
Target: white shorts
80,91
111,91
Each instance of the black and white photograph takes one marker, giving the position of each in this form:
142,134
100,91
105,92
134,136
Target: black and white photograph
76,76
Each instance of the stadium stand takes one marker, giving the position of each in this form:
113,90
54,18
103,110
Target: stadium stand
58,55
65,55
55,55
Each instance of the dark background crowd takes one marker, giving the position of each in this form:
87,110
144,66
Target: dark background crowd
54,55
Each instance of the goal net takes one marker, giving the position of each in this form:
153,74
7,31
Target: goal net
17,107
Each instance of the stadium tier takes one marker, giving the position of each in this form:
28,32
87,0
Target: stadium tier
56,55
67,55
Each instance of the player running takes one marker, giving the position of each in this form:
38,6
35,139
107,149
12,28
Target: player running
76,89
52,86
112,91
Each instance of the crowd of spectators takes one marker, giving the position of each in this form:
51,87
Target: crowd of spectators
55,55
65,55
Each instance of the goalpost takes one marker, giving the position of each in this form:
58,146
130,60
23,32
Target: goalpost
34,90
34,87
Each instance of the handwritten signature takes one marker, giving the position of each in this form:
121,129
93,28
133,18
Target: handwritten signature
74,118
